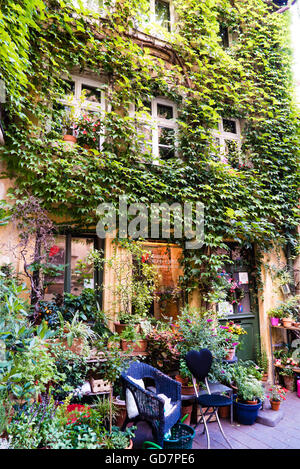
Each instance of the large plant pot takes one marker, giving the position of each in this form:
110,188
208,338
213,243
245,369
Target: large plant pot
289,382
139,346
246,414
183,381
121,405
119,328
187,390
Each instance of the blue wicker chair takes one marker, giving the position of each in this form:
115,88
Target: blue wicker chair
150,407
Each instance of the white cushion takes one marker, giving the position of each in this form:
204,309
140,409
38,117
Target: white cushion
168,407
131,407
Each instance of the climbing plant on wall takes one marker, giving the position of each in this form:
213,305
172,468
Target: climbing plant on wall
251,200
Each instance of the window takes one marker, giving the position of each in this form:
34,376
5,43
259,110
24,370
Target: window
158,127
93,6
227,137
160,13
225,36
82,96
71,251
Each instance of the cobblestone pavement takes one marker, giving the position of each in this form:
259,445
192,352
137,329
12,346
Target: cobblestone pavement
286,434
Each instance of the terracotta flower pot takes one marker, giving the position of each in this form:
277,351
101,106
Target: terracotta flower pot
183,381
252,402
70,138
224,412
187,390
119,328
286,322
130,446
289,382
230,354
139,346
275,405
187,409
121,405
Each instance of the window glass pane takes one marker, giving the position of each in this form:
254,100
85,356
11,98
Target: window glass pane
224,35
229,125
162,14
68,87
166,142
230,146
55,281
144,133
92,93
165,112
59,116
82,273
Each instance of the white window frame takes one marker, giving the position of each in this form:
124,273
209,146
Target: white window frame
93,9
154,122
149,24
172,13
87,105
223,136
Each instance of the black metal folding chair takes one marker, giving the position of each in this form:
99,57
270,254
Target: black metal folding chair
199,363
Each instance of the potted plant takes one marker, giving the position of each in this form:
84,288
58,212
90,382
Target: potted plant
274,315
69,125
88,131
75,334
288,378
130,338
228,340
287,320
250,394
277,394
125,320
185,378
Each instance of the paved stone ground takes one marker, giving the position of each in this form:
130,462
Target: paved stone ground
286,434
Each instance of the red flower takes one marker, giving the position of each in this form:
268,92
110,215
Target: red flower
75,409
53,251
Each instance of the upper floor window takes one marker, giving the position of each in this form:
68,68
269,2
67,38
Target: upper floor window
93,6
225,35
82,97
227,137
158,127
159,17
162,13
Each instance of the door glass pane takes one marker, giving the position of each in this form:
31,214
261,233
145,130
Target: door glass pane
82,272
55,282
162,14
169,295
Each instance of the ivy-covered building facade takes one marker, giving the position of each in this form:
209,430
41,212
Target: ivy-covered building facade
168,102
